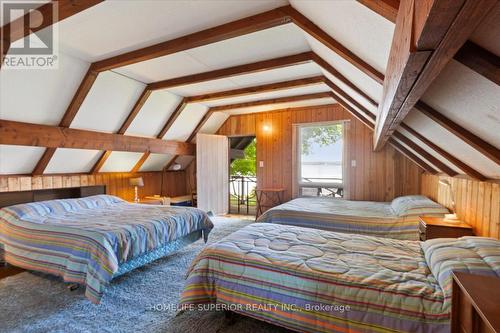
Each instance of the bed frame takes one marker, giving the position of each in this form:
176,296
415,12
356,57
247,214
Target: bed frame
19,197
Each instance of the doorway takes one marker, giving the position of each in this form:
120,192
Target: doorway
242,175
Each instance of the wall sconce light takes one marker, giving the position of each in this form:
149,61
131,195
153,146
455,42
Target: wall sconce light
266,128
450,217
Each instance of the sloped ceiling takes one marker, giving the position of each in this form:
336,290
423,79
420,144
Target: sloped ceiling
115,27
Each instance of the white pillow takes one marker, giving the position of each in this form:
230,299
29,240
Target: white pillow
417,205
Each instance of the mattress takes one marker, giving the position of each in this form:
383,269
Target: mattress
361,217
93,239
310,280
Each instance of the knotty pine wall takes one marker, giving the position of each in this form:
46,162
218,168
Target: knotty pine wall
378,176
477,203
174,183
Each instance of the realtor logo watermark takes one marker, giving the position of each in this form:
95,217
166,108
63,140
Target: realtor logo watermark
32,39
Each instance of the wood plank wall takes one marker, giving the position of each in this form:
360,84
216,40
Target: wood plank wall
477,203
174,183
378,176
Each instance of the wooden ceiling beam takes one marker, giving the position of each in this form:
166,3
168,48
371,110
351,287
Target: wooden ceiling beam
26,134
473,140
427,36
258,22
69,115
256,67
461,165
312,29
125,125
425,166
385,8
480,60
258,89
272,101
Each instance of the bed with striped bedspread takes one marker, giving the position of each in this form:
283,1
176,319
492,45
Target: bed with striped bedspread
310,280
398,219
92,240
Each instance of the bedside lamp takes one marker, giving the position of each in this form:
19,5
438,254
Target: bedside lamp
450,217
136,182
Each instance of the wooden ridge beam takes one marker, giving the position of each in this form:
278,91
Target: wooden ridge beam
425,40
473,140
422,152
23,26
312,29
26,134
258,89
461,165
217,74
125,125
69,115
272,101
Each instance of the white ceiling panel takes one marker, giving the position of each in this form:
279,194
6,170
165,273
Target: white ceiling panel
359,29
452,144
263,108
120,161
214,123
186,122
19,159
487,34
154,114
114,27
40,96
429,150
468,99
72,160
353,74
156,162
108,103
204,87
268,95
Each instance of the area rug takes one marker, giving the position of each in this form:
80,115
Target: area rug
141,301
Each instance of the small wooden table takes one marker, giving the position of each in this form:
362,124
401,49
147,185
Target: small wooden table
274,195
475,303
438,227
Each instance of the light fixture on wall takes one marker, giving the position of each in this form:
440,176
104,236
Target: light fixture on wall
176,167
266,128
136,182
450,217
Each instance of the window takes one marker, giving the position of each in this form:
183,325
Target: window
320,149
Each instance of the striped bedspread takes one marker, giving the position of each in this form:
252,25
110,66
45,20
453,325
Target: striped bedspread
360,217
87,240
310,280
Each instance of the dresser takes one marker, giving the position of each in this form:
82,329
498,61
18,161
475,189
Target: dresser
475,304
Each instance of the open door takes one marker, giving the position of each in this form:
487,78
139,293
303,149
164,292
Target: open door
212,165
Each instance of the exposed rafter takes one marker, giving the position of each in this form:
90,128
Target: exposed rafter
170,121
257,89
473,140
128,121
425,40
461,165
312,29
385,8
69,115
21,27
480,60
413,157
26,134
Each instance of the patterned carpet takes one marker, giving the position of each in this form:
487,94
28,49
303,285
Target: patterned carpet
141,301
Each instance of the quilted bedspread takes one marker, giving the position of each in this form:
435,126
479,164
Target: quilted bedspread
310,280
86,240
361,217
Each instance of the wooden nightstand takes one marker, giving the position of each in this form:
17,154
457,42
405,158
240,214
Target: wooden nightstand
438,227
475,305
